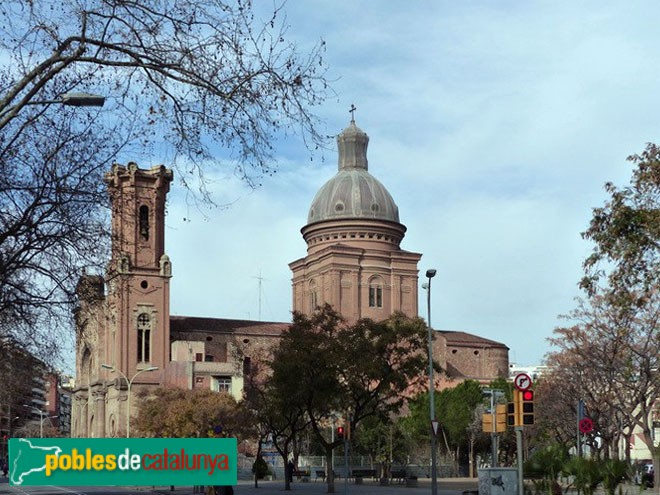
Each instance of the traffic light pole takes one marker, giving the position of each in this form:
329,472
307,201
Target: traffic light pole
519,446
346,473
580,415
493,433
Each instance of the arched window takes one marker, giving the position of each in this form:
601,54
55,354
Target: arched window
376,292
144,222
143,338
313,296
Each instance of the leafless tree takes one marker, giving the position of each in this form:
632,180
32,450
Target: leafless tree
196,84
611,359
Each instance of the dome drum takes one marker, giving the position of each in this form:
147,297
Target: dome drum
377,234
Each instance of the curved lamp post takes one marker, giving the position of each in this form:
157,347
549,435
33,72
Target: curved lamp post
67,99
128,391
43,416
434,472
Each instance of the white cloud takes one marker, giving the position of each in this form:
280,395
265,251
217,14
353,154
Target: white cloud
493,125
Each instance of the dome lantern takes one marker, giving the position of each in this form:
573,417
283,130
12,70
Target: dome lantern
352,144
353,193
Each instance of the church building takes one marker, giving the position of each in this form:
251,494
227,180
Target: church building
127,340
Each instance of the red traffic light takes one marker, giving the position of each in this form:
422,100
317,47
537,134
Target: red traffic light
528,407
340,432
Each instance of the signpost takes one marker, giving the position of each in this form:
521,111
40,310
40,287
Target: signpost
523,383
586,425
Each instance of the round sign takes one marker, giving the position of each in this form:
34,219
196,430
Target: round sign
586,425
522,381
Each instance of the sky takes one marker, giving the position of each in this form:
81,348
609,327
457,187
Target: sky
494,126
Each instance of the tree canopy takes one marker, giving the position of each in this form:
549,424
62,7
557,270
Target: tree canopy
329,372
196,413
626,234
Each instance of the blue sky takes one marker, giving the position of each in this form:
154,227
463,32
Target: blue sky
494,125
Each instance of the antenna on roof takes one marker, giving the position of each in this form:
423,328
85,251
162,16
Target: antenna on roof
260,279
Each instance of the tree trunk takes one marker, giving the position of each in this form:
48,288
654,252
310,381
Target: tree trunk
329,472
287,475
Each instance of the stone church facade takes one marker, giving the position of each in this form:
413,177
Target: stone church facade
128,341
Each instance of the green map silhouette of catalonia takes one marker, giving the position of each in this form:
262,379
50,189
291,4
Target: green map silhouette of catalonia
24,462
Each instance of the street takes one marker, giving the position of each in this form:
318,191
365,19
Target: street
453,486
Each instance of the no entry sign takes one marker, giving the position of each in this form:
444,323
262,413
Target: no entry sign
586,425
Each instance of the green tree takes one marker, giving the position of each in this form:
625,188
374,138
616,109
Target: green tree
415,427
456,410
305,374
626,234
545,466
586,474
383,442
276,416
332,369
196,413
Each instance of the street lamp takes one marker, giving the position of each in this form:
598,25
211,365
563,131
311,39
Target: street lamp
434,472
81,100
128,391
42,418
67,99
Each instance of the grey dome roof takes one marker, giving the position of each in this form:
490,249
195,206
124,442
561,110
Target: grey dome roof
353,192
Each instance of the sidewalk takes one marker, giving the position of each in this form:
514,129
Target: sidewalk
446,486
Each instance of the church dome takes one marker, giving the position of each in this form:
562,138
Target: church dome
353,193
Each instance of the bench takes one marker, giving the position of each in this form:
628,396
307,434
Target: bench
320,473
301,473
363,473
399,475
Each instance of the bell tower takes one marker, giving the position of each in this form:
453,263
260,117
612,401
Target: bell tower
139,272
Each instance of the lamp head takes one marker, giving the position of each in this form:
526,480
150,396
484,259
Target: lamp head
107,366
430,273
82,100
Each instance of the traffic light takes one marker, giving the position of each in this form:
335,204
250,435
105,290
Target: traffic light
340,432
500,420
528,407
514,409
510,414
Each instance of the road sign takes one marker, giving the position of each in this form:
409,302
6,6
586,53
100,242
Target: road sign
586,425
434,427
522,381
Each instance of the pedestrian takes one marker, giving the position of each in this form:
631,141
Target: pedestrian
290,469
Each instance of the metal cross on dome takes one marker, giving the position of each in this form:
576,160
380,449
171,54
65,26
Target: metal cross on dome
352,112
